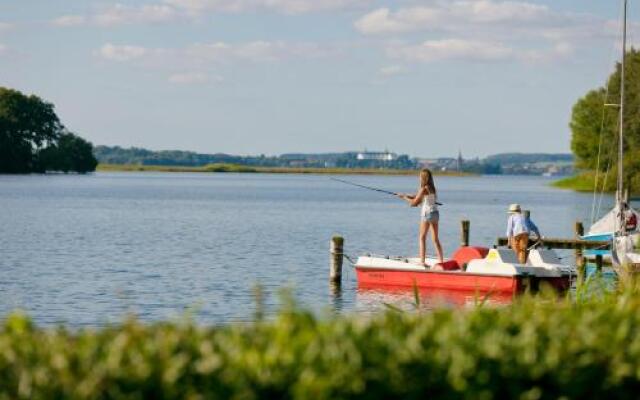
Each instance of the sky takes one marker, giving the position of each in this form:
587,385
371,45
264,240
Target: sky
421,77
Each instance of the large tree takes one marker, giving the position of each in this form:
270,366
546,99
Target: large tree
27,123
32,138
68,153
595,122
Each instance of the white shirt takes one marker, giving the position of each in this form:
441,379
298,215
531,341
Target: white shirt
429,203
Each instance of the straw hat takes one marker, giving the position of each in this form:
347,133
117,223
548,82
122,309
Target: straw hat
514,208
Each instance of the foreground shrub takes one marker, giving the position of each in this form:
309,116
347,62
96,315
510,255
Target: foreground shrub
532,349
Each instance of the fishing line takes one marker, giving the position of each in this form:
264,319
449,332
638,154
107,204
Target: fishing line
364,187
370,188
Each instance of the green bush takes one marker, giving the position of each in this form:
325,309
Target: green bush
228,168
533,349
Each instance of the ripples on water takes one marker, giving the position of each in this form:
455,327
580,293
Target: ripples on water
86,250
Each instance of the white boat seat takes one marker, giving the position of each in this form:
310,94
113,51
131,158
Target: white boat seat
543,256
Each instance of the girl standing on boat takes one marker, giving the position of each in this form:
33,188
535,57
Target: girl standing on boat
430,216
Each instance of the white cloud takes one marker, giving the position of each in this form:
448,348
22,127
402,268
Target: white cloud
450,15
198,55
392,70
483,30
474,50
561,50
191,78
5,26
122,14
405,20
446,49
498,20
282,6
493,11
122,53
69,20
255,51
170,10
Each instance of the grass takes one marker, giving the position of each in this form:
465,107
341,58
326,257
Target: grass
583,182
536,348
270,170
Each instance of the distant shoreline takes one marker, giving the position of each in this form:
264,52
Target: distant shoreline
212,168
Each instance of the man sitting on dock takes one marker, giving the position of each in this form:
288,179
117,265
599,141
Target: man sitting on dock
519,227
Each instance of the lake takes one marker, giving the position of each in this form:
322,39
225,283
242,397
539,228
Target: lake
88,250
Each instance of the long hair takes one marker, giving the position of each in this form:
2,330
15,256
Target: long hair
426,180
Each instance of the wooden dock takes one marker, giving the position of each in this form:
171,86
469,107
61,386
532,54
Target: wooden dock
560,243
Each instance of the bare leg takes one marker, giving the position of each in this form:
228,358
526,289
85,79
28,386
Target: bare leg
422,240
436,240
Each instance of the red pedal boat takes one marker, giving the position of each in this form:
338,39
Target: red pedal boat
469,269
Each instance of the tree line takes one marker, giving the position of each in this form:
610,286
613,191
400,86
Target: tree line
140,156
594,126
33,139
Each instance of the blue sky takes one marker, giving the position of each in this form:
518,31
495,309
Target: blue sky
423,77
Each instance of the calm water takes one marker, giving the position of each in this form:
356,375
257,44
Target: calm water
86,250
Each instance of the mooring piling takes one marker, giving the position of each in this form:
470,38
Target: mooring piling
579,230
336,256
465,226
599,262
581,268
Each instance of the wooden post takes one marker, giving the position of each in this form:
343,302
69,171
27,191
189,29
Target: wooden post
579,228
599,262
464,234
335,269
581,266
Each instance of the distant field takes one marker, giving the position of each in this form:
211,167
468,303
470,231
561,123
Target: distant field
271,170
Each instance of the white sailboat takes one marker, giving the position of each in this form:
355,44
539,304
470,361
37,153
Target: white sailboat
608,226
625,255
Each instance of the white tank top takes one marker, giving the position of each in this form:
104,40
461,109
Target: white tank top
429,203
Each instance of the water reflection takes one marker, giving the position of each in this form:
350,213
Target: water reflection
376,297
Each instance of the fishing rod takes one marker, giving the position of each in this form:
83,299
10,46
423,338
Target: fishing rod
369,187
365,187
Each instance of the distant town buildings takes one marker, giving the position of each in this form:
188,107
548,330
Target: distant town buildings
376,156
439,164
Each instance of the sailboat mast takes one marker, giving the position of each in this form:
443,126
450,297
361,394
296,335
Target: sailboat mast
621,135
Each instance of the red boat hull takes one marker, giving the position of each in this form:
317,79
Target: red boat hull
456,280
431,298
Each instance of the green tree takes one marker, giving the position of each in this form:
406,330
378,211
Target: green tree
32,138
595,126
27,123
68,153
